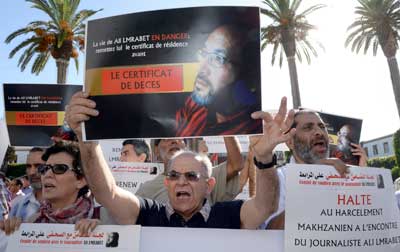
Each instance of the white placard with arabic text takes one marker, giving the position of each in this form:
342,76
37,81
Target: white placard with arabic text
63,238
326,212
131,175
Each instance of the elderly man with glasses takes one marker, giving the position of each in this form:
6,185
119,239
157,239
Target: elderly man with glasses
221,101
188,180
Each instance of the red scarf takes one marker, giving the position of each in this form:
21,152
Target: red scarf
193,120
81,209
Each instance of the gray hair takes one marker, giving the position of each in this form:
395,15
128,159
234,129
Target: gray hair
203,159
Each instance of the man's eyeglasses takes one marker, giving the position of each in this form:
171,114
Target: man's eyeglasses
56,169
190,176
213,58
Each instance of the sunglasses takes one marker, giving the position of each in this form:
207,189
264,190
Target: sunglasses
56,169
191,176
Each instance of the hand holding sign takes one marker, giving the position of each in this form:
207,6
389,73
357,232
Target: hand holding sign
79,110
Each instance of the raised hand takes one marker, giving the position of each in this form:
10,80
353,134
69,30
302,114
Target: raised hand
79,109
276,130
357,150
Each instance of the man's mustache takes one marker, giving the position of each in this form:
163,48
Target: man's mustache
204,79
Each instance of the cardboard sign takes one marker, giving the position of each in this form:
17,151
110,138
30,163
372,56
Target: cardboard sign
342,131
326,212
35,112
176,79
131,175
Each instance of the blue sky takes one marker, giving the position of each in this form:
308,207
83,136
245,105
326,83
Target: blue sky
337,82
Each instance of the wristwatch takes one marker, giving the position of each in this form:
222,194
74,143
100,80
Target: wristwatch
263,166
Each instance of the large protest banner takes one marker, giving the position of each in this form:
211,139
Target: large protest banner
35,112
342,131
64,238
327,212
176,79
151,239
131,175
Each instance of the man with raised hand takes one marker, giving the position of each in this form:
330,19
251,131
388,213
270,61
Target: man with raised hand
309,145
188,180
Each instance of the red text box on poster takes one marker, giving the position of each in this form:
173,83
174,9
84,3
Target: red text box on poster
139,80
36,118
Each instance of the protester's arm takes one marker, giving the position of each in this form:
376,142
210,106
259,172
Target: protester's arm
244,174
359,151
248,174
234,157
252,176
256,210
122,205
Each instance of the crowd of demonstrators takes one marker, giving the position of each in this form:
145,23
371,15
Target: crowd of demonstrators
188,179
190,192
134,150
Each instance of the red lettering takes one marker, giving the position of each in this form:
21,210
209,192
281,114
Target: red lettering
355,200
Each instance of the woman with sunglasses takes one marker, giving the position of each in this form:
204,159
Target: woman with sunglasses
66,194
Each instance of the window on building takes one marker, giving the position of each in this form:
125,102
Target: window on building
375,149
385,147
366,151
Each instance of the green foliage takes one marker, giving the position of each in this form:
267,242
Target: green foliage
395,173
15,170
386,162
396,146
61,37
289,31
10,157
377,23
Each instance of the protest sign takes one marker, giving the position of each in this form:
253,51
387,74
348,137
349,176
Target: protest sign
112,149
327,212
131,175
217,144
35,112
163,239
175,79
64,238
342,131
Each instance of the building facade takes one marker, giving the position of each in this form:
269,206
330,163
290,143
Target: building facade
379,147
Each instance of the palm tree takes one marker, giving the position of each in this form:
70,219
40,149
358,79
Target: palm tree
61,37
288,34
377,23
